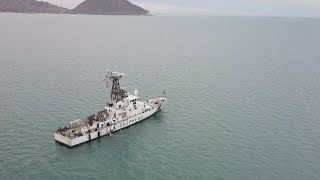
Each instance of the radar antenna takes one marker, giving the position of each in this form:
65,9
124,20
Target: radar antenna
117,93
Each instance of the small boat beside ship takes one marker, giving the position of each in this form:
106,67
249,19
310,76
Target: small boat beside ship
122,111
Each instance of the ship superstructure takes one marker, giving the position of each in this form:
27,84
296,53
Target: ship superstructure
122,111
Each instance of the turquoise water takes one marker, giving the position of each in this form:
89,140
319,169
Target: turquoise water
243,96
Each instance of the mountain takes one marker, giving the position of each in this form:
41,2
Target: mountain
108,7
29,6
100,7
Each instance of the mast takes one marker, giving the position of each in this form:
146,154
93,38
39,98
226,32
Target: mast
117,93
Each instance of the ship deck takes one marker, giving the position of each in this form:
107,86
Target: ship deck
71,131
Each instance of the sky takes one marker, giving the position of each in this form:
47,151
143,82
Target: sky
277,8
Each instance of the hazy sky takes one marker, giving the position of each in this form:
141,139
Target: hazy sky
301,8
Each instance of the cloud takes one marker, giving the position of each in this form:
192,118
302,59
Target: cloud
174,9
275,2
168,9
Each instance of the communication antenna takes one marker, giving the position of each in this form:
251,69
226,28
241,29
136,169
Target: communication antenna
117,93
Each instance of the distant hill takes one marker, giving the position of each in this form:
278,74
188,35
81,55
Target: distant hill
29,6
108,7
99,7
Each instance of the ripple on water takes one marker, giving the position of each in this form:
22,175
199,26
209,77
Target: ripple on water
241,103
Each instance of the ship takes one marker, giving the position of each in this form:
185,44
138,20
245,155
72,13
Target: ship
123,110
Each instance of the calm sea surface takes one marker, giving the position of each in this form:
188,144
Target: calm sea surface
244,96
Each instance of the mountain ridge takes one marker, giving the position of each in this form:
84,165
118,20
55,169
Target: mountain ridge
96,7
30,6
108,7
